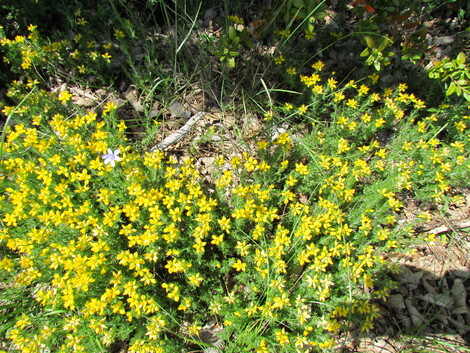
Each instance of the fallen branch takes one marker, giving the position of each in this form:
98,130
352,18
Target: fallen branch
178,135
444,229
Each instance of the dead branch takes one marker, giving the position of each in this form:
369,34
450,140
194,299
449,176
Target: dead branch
178,135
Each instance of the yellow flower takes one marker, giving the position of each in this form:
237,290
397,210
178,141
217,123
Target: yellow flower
318,65
374,97
382,153
388,92
118,34
302,109
363,90
402,87
379,122
288,196
155,327
239,265
279,60
283,139
81,21
339,96
367,325
374,78
268,115
280,302
281,337
352,84
64,96
106,57
291,181
199,246
172,291
75,54
242,248
224,224
262,347
352,103
309,34
302,169
108,107
318,89
236,19
195,279
343,146
104,195
291,70
311,80
460,126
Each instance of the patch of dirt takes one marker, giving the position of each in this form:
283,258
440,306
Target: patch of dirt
429,311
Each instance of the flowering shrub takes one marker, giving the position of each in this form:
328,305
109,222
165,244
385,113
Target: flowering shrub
281,249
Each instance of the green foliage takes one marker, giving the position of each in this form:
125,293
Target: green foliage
308,11
280,245
457,72
400,18
376,51
237,37
283,248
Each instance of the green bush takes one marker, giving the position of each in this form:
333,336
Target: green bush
280,247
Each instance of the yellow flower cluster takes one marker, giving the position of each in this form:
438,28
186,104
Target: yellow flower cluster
112,239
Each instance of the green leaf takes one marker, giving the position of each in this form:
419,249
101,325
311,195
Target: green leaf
370,41
232,33
365,52
461,58
320,15
384,43
444,239
303,13
248,43
231,62
224,42
451,89
466,95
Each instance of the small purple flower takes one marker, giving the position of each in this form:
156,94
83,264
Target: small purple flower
111,157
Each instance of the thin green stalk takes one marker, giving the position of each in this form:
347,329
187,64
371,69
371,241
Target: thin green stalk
7,122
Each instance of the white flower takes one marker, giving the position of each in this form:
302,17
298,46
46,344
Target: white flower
111,157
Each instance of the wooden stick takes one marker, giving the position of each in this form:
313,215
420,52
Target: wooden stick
443,229
178,135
